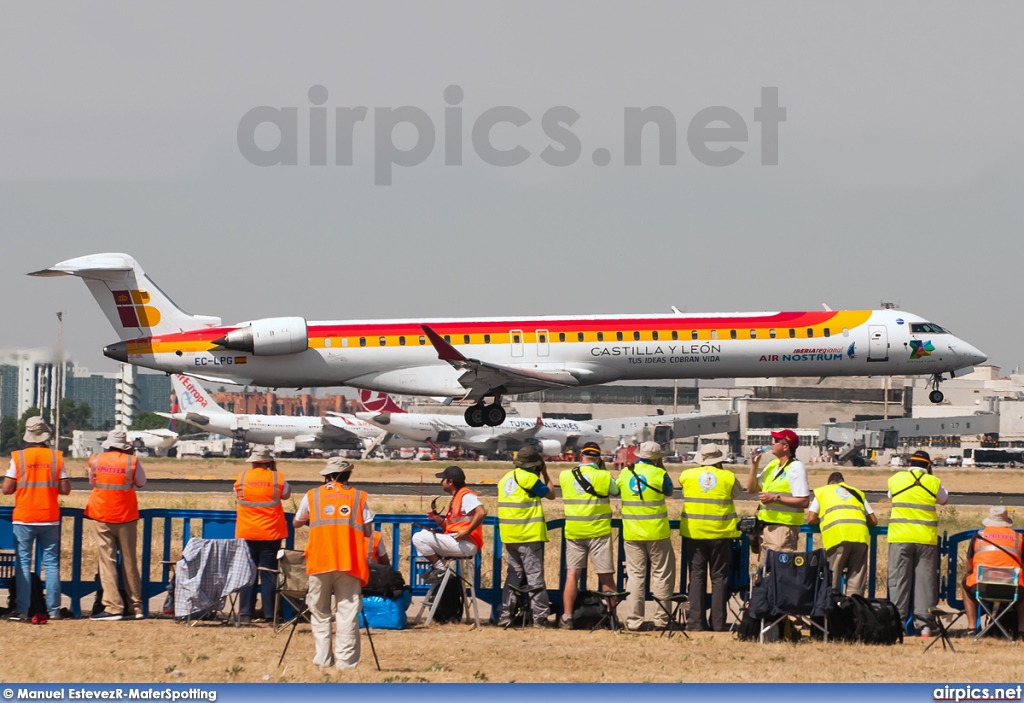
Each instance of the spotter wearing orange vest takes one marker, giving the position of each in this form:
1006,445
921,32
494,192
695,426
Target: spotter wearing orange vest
455,521
260,515
997,547
112,477
336,538
38,471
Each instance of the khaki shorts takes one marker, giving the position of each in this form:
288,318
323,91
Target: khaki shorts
598,548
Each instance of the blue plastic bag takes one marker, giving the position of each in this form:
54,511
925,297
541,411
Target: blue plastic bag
385,613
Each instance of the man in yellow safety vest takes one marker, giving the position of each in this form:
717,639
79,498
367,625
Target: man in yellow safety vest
844,514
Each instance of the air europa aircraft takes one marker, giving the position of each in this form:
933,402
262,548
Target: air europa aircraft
478,358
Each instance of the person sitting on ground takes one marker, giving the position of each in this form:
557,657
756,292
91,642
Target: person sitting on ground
997,545
462,522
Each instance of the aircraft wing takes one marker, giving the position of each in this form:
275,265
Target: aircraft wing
520,433
481,378
224,379
334,430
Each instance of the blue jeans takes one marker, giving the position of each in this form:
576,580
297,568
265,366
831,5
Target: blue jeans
263,553
47,538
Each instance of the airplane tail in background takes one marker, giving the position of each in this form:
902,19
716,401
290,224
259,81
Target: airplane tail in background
133,304
376,402
192,397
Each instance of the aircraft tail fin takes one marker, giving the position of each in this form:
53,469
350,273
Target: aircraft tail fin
374,401
133,304
191,397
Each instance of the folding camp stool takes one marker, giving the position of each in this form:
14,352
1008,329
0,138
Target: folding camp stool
452,569
944,619
672,606
521,605
614,624
997,590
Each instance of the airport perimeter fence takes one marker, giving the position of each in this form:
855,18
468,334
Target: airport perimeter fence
170,529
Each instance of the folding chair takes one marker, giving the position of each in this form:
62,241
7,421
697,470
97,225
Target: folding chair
797,584
997,591
673,608
208,578
292,586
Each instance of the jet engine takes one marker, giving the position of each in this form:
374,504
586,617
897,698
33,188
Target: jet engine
271,336
550,447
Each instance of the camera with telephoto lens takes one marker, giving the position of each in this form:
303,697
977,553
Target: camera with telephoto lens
748,524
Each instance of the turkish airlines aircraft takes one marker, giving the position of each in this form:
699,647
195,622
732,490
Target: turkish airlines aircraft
194,405
550,436
476,358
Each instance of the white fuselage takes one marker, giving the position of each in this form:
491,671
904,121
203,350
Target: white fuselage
393,356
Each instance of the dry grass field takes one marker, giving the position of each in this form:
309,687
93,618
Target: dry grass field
161,650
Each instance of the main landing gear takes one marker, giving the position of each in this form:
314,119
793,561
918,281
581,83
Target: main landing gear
936,395
478,414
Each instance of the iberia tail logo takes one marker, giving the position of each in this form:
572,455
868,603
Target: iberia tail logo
133,310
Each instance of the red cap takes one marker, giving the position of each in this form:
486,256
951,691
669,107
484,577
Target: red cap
789,436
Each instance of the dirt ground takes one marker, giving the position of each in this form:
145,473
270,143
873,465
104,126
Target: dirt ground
164,651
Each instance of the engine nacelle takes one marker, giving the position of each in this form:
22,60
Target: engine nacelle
550,447
272,336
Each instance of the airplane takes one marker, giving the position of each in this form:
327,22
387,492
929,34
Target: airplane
550,436
473,359
156,441
196,406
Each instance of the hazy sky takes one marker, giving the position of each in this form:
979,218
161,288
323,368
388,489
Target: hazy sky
899,177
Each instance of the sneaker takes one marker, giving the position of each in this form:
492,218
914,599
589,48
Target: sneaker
245,619
138,616
17,617
926,632
565,623
504,622
435,574
106,615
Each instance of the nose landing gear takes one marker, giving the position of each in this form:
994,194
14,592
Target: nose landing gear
478,414
936,395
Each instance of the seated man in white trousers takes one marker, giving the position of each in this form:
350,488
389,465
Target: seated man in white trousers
462,523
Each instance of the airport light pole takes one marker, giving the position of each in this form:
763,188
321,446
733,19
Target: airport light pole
59,393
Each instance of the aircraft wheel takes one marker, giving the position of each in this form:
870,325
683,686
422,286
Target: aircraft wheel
475,416
494,415
936,396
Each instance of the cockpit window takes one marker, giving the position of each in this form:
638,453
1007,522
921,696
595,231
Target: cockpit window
926,328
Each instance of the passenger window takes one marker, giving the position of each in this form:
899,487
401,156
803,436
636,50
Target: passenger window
579,336
600,336
465,339
828,332
401,341
753,334
561,336
810,332
423,340
693,335
362,341
846,332
344,341
618,336
515,339
636,336
675,335
732,334
487,339
383,341
714,334
542,338
327,342
792,333
448,338
771,333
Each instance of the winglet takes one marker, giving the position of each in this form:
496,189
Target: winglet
445,351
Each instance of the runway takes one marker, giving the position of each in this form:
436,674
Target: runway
170,485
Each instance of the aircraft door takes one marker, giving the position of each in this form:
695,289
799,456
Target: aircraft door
516,338
542,342
878,343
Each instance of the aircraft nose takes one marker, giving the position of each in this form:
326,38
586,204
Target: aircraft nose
117,351
970,355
